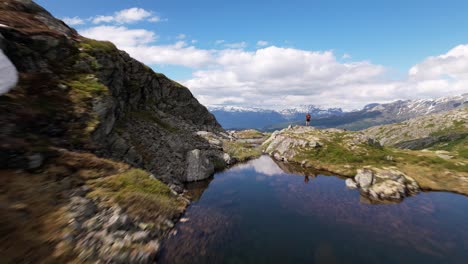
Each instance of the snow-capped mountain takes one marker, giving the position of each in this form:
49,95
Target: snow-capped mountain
298,112
235,117
412,108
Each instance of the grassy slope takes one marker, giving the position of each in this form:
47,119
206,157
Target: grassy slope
432,172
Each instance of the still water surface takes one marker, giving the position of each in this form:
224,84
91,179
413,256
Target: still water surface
260,213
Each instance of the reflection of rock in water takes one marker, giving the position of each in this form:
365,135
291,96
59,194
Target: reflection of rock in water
198,238
195,189
407,225
292,168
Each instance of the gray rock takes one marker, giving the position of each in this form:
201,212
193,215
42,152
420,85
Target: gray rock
364,178
199,166
81,207
35,161
228,159
140,236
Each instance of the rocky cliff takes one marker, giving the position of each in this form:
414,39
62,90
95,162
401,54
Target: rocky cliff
82,94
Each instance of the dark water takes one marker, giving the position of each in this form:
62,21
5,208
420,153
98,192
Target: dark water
257,213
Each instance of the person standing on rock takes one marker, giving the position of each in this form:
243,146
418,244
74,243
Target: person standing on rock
308,119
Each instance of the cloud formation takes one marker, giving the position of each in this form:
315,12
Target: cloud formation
73,21
125,16
121,36
276,77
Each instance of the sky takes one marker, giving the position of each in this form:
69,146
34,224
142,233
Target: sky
278,54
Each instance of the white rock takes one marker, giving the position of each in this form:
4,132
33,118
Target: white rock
364,178
351,184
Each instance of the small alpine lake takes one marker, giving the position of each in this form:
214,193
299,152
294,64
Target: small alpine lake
265,212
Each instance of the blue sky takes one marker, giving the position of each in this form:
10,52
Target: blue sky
395,35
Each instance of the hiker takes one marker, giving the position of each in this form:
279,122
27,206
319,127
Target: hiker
308,119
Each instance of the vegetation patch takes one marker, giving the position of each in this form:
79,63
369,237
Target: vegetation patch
141,195
242,151
250,133
91,45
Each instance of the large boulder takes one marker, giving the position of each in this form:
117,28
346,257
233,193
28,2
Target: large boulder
383,184
199,166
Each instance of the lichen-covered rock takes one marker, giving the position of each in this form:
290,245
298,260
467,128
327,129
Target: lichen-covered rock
199,166
385,184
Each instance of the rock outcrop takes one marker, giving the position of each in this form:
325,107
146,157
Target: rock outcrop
383,184
288,144
87,95
425,131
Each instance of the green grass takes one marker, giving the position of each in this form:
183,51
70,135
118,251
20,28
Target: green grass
87,85
459,146
140,194
91,45
250,133
457,127
90,60
241,151
433,162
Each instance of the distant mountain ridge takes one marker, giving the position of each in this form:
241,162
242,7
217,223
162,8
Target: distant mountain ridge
234,117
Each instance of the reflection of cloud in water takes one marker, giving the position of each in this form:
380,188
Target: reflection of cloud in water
263,165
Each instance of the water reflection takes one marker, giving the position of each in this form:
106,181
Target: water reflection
263,165
258,213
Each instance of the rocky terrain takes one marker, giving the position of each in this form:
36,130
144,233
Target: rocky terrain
425,131
381,173
94,146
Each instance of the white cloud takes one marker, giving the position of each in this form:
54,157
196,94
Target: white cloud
73,21
451,65
131,15
178,53
155,19
219,41
137,42
127,16
101,19
121,36
262,43
279,77
346,56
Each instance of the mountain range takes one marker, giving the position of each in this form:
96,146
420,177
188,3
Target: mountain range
234,117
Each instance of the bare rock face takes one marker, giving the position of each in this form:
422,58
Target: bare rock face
83,94
383,184
198,166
